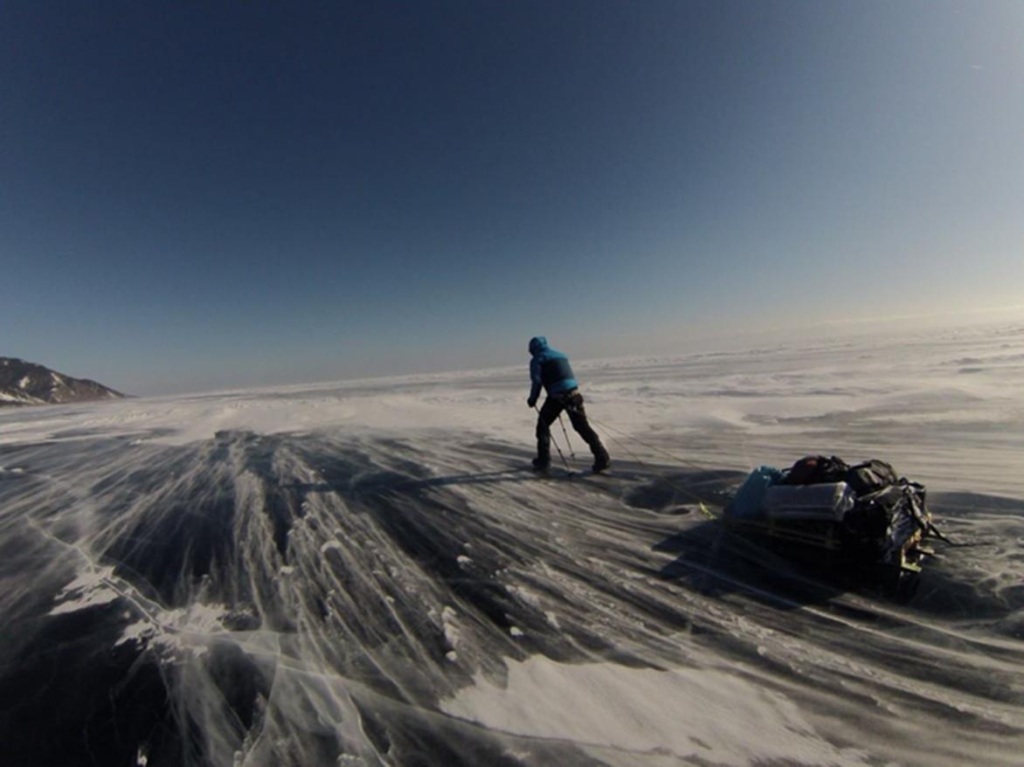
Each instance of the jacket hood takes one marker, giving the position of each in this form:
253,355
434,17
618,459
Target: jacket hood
538,344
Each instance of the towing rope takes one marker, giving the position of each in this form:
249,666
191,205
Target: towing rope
701,504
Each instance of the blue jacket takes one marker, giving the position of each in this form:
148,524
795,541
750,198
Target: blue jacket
549,368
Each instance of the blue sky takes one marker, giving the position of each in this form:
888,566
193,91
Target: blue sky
204,195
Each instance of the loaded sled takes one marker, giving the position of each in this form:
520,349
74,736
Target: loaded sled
862,522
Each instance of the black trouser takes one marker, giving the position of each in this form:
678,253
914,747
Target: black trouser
572,403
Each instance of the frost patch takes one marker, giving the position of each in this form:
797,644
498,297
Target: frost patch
175,631
524,595
89,589
138,633
451,630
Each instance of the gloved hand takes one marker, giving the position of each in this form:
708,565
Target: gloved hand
531,401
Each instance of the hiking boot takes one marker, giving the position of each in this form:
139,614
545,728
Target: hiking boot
601,463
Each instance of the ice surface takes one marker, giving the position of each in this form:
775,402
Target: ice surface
368,573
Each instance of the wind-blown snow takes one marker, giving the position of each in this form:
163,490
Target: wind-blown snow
609,710
367,573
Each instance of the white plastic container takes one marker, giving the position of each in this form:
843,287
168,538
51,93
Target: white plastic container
825,501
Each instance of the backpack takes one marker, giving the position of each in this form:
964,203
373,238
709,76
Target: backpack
815,469
870,477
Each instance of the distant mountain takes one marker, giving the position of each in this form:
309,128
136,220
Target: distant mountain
25,383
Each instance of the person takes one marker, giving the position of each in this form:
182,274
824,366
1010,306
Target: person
550,369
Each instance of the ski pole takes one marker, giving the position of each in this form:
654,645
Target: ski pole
555,442
568,444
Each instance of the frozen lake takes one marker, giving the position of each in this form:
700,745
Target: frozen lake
367,573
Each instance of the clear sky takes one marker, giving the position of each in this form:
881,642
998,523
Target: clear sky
197,195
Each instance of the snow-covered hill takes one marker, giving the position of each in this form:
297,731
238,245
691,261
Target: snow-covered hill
26,383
